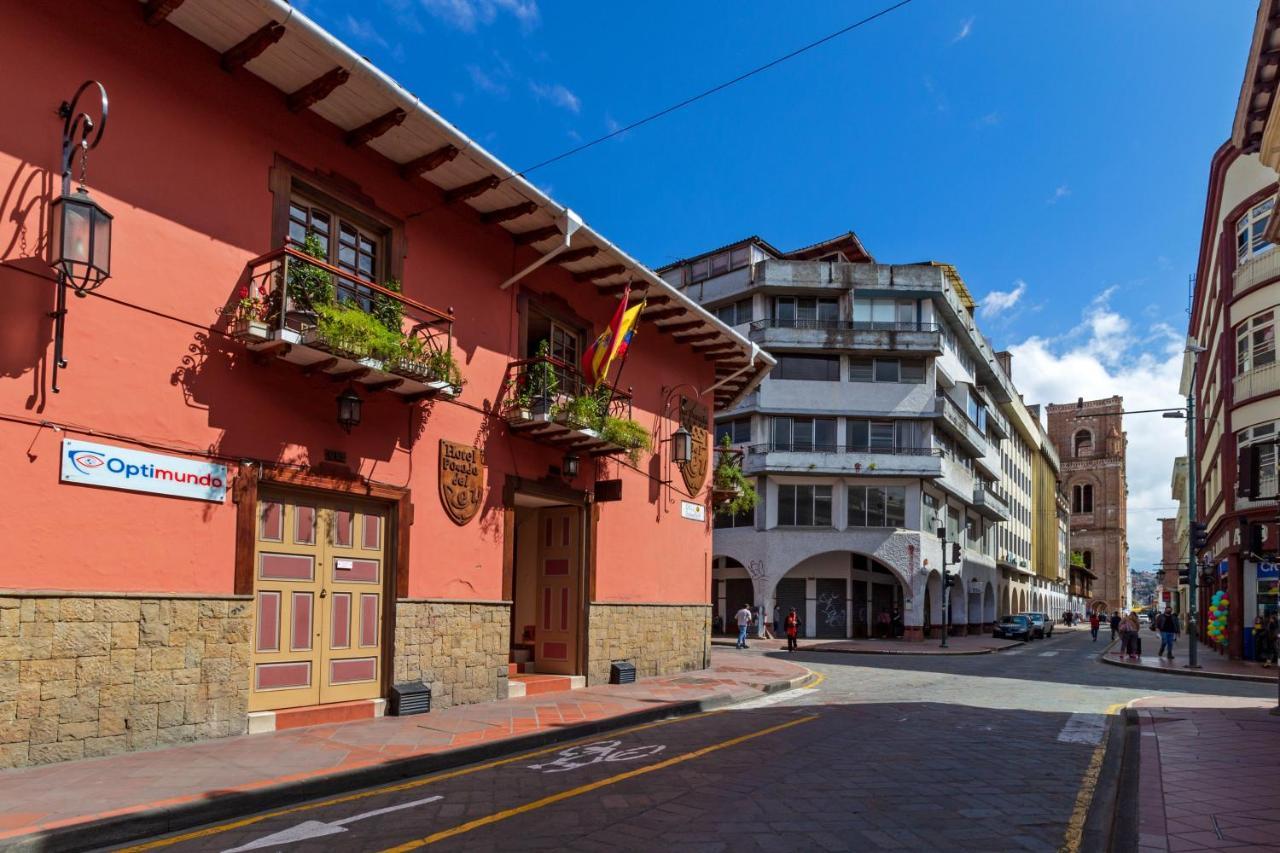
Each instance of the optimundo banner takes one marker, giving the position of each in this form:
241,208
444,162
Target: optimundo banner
110,467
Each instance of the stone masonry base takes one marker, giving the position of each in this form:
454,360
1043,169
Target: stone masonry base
460,648
660,639
90,675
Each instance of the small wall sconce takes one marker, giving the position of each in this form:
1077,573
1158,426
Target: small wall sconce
349,405
681,446
569,466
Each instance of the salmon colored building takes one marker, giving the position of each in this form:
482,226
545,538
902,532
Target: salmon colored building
321,429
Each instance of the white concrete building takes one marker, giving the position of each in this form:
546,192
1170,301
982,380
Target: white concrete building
880,424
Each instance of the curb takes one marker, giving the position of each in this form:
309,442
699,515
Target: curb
1112,820
218,806
893,652
1194,673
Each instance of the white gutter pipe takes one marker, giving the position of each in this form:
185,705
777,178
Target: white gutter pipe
569,225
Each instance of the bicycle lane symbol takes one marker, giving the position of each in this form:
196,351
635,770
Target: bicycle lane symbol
576,757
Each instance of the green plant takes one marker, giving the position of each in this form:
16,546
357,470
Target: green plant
309,286
629,434
348,329
387,310
442,365
728,478
539,381
1077,559
587,410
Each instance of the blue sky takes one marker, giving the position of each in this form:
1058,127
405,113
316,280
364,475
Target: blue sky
1056,152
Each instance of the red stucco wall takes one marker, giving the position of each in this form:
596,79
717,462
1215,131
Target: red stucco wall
184,169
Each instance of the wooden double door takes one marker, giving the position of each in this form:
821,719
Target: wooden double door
320,578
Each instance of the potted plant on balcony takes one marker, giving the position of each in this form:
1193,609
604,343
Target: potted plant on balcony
249,318
348,332
309,287
537,388
585,412
731,491
626,433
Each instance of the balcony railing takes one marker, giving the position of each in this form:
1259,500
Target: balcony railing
990,502
1262,380
960,427
325,319
807,447
549,400
841,325
804,457
1256,270
859,335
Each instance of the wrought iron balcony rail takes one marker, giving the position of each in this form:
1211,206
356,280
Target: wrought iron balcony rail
548,386
841,325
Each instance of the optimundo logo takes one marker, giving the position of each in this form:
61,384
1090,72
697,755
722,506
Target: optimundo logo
121,468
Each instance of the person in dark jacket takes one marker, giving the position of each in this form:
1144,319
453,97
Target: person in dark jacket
1115,624
1265,640
1167,624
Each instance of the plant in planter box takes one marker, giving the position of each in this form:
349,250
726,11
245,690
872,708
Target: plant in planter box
727,480
310,287
346,330
444,368
585,411
249,316
629,434
538,386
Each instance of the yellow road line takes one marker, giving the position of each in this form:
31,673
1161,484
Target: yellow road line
818,678
591,786
402,786
1088,784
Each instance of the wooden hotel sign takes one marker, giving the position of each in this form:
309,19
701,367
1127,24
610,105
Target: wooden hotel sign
461,480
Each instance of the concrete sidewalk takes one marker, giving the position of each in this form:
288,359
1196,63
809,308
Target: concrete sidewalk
1207,774
1212,664
100,801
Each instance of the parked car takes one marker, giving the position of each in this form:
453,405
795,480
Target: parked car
1041,624
1013,628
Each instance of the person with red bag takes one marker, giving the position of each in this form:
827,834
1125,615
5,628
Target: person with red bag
792,627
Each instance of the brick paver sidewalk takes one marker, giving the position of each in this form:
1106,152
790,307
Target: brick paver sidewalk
1212,664
183,778
1207,777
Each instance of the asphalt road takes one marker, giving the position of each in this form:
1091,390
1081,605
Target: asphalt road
984,752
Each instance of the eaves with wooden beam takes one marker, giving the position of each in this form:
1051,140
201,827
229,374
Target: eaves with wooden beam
419,145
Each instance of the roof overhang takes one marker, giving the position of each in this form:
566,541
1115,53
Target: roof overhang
1253,128
321,74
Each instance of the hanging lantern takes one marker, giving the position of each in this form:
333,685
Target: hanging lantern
349,404
681,446
570,466
81,240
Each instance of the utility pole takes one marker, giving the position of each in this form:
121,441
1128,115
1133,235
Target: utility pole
946,589
1192,476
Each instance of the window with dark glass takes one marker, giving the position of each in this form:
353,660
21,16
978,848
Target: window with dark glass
738,431
823,368
348,245
804,506
1082,498
725,521
877,506
735,313
804,434
806,311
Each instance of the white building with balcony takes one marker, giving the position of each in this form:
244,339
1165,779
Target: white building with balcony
880,427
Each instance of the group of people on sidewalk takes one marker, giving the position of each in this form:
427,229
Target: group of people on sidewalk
1128,628
748,615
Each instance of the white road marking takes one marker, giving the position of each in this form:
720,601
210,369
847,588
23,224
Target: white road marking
1084,728
309,829
770,699
593,753
1047,654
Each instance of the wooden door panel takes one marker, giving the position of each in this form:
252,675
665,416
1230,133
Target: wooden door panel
559,614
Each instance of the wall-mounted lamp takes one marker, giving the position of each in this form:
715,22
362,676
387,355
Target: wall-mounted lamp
349,405
80,230
681,446
569,466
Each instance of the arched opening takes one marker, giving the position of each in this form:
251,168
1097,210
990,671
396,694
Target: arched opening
1082,497
959,610
988,607
1083,443
731,587
839,594
933,605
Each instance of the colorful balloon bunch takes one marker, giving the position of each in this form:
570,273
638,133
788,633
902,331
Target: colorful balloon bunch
1218,608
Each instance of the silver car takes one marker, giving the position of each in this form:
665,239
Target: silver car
1041,624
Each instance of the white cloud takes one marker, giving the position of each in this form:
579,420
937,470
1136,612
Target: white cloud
966,27
556,94
999,301
468,14
365,30
1103,356
486,82
1060,193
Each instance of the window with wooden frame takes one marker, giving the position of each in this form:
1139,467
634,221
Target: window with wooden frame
1256,342
356,247
1251,231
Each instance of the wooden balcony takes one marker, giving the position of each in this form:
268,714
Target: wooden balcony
549,401
301,310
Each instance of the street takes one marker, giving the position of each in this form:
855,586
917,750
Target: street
879,752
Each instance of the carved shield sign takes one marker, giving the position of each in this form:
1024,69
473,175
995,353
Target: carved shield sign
694,418
461,480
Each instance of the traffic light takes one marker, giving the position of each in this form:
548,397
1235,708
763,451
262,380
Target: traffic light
1248,465
1183,579
955,553
949,579
1254,543
1199,537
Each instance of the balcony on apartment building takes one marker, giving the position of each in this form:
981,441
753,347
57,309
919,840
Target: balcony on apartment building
855,335
1254,271
956,424
990,503
804,458
1256,382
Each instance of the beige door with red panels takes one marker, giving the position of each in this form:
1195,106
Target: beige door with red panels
319,581
558,610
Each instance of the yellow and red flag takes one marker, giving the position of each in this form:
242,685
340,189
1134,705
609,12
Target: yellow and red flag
613,342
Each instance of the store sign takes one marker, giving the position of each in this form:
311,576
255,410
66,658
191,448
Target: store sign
693,511
1222,569
461,480
88,464
1268,571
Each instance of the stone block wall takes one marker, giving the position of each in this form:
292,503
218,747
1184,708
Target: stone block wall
460,648
660,639
84,675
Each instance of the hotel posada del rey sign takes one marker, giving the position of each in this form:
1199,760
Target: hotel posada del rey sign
461,480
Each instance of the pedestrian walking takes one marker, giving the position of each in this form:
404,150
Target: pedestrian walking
1167,624
1265,640
1095,621
743,618
1128,631
1115,623
792,628
895,622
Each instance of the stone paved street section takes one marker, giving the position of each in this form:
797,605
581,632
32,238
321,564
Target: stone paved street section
38,799
971,645
1211,663
983,752
1210,774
